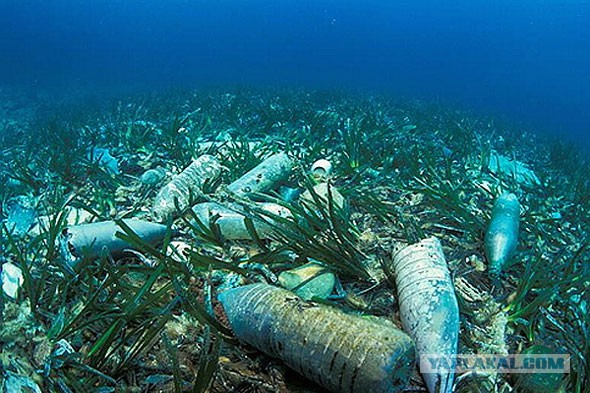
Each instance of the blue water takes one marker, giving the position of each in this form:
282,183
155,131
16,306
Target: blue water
528,61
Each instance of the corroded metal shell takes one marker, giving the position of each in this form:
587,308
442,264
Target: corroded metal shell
184,186
502,235
231,222
428,305
343,353
88,240
264,177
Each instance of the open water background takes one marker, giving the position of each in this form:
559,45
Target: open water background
526,61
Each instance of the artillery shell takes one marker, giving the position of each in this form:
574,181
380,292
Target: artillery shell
343,353
88,240
428,305
231,223
263,177
502,235
185,186
324,191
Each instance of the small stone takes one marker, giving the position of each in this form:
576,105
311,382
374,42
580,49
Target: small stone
321,281
152,177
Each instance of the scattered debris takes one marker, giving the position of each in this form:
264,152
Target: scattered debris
21,215
321,170
233,224
105,160
500,165
18,383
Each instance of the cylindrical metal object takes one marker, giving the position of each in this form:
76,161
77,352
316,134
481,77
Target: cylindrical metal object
324,191
502,235
184,186
88,240
428,305
342,352
264,177
231,223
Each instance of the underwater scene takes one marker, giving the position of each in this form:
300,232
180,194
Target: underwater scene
294,196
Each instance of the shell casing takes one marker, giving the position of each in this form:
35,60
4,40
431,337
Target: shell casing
501,236
231,223
342,352
428,304
185,187
88,240
264,177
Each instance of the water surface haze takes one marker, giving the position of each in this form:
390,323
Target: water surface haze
527,61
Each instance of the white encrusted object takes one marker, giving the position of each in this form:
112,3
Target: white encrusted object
428,305
321,169
264,177
185,188
12,279
231,222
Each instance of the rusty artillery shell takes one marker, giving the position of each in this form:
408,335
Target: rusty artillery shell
88,240
184,186
343,353
428,305
502,235
264,177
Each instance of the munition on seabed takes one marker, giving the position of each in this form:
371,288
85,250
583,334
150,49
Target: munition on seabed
343,353
428,305
185,188
232,223
264,177
502,235
89,240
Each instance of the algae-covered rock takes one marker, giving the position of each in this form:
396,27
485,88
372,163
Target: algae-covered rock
539,382
310,280
152,176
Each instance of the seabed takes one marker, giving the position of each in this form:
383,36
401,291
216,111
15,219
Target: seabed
407,170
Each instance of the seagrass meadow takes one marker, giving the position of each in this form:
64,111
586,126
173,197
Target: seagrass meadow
149,321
